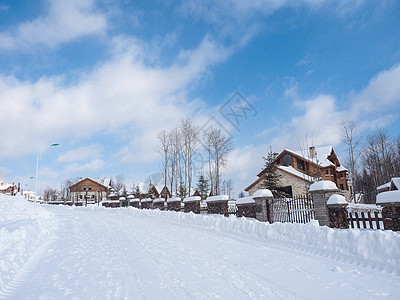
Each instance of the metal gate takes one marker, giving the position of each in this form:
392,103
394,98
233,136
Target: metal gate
299,209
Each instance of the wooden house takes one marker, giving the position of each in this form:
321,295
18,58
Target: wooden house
88,190
299,170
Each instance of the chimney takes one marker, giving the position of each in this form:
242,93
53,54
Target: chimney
313,152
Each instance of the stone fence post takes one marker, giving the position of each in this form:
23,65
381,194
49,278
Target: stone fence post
263,200
391,209
320,192
337,206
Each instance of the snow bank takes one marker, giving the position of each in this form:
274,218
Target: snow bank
263,193
217,198
323,185
23,227
376,249
337,199
388,197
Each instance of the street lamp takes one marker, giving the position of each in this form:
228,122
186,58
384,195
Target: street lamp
37,169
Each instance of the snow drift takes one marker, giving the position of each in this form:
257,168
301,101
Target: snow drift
23,228
377,249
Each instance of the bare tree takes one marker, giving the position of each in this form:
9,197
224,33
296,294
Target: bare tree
164,150
65,192
49,193
190,137
218,147
350,137
118,183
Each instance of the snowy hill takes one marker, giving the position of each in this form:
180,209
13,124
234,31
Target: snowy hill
94,252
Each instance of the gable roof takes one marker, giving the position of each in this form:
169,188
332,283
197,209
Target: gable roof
90,179
321,158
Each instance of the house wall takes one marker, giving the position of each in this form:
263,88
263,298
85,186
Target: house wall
299,186
81,190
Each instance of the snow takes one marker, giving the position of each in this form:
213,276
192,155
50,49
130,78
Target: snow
217,198
341,168
297,173
322,155
245,200
134,200
146,200
174,199
384,186
58,252
158,200
323,185
337,199
191,199
263,193
358,207
122,198
396,182
388,197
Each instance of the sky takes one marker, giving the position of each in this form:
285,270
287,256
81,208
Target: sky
102,78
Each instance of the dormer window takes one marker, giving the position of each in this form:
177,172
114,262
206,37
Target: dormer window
287,160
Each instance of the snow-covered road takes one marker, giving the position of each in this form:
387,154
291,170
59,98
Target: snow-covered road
130,254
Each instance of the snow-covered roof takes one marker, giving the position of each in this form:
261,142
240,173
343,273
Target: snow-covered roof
396,182
245,200
297,173
341,168
321,157
337,199
134,200
217,198
388,197
263,193
174,199
192,199
4,186
384,186
323,185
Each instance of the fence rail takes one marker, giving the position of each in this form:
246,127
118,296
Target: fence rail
365,220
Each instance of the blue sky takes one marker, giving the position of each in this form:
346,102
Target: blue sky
101,78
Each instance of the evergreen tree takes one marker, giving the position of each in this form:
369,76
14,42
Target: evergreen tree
150,192
137,191
242,194
203,186
270,176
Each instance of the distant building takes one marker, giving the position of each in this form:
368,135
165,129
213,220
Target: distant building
29,195
88,190
298,171
392,185
8,189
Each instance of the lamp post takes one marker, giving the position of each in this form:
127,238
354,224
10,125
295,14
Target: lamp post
37,169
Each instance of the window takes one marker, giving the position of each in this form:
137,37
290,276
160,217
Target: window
84,188
341,175
301,165
341,186
287,160
90,187
326,172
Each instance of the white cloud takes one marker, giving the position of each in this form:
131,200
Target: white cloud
64,22
83,153
123,96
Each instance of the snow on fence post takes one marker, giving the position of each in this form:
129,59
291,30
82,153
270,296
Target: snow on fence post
337,206
320,192
391,209
174,204
246,207
218,204
263,199
192,204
